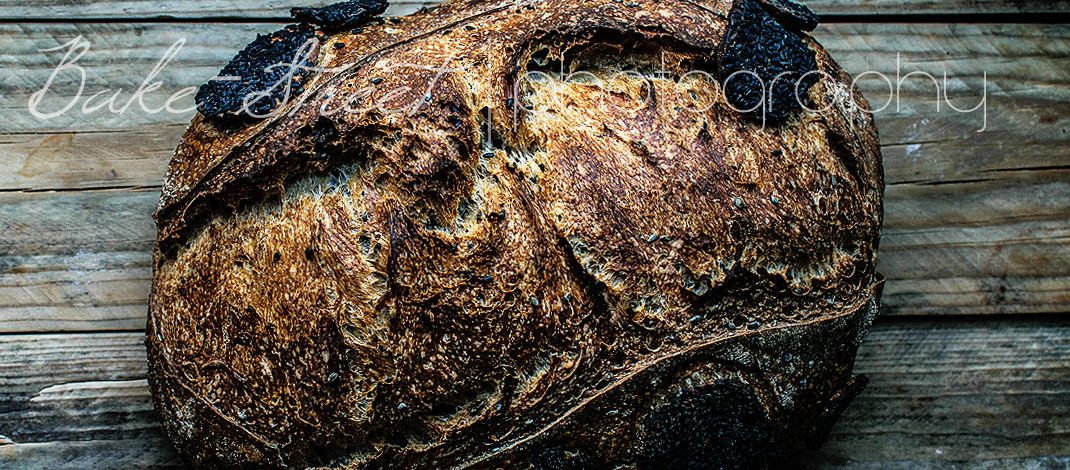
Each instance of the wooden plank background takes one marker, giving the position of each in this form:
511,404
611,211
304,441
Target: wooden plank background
969,359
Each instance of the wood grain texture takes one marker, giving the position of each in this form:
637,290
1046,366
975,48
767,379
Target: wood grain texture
153,453
133,10
75,261
957,391
140,10
994,393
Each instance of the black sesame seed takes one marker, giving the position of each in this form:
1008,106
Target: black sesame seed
341,14
759,50
791,14
376,81
226,98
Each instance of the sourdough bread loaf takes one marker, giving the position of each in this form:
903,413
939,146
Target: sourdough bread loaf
519,234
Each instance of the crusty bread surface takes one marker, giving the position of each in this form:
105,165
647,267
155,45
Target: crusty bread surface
432,257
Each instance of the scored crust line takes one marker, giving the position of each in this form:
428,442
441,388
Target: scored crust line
614,385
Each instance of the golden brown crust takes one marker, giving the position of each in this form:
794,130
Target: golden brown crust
392,288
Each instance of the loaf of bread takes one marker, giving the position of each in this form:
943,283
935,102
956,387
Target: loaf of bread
554,234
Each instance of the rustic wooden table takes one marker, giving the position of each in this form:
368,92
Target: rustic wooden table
969,362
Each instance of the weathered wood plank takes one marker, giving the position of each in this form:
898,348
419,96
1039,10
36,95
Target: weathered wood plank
31,363
939,393
1018,69
1029,463
154,9
135,10
1004,250
75,261
949,391
886,7
153,453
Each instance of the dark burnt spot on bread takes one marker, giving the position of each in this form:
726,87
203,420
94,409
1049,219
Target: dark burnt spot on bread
340,15
762,64
260,77
720,425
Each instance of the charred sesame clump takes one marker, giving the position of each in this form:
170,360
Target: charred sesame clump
791,14
262,72
769,63
340,15
720,425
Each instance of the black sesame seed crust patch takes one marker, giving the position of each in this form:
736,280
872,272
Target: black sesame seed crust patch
340,15
768,62
790,14
262,67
